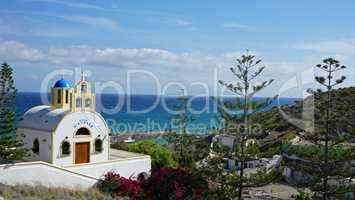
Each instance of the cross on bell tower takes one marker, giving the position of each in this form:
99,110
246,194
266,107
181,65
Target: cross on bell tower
83,75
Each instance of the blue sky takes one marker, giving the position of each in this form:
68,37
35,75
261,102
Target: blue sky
181,41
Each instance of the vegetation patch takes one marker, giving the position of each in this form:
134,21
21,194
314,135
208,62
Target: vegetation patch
26,192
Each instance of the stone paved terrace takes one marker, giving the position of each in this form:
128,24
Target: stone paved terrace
120,154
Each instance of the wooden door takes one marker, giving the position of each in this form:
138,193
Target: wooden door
82,152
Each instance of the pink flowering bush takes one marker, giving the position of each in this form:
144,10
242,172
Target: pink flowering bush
118,185
164,183
170,183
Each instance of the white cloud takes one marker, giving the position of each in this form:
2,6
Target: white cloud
332,46
35,19
54,32
128,58
234,25
166,65
235,54
181,22
92,21
71,4
12,50
146,58
25,26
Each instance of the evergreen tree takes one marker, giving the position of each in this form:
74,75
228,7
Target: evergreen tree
327,159
10,147
235,114
178,137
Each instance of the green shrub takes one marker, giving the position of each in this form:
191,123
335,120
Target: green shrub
120,145
161,156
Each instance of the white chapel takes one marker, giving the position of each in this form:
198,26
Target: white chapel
69,143
69,131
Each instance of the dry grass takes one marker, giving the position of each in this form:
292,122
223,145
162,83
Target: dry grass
25,192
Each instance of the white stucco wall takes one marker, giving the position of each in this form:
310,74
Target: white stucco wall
45,174
125,167
67,129
45,144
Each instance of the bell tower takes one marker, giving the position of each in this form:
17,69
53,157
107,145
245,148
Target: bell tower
60,94
82,99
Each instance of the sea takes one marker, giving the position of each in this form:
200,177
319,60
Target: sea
147,113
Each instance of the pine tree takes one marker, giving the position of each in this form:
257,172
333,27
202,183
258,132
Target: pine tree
235,114
327,159
179,137
10,148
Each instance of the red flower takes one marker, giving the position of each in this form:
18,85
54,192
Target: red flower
179,191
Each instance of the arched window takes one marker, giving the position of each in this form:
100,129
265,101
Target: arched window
98,145
66,96
65,148
87,102
83,88
78,102
35,148
59,97
82,131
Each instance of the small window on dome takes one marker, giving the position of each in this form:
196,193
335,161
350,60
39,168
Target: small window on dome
59,97
98,145
35,148
65,148
66,96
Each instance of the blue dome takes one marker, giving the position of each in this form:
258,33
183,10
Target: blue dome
62,84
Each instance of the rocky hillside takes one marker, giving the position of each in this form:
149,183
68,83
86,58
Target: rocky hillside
343,109
277,128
